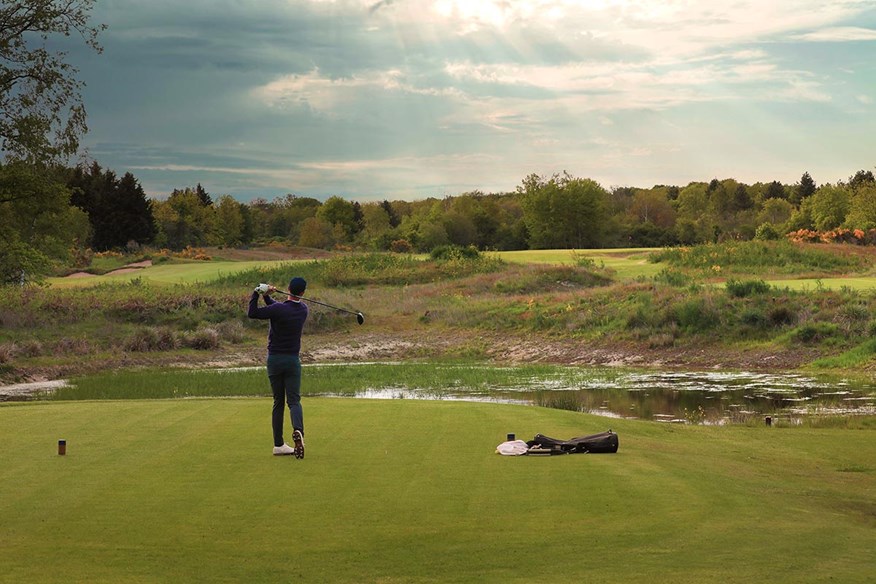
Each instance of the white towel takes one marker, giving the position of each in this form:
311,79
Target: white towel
512,448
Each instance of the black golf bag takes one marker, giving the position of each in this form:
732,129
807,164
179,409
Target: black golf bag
594,443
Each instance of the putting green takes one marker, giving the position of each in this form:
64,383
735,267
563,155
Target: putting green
408,491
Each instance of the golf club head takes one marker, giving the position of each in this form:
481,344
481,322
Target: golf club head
360,318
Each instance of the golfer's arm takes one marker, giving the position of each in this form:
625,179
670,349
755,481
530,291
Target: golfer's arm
254,311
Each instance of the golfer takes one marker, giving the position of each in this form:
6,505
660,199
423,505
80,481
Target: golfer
284,365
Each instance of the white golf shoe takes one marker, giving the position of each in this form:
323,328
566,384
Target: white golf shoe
283,450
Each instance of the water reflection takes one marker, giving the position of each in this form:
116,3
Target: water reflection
675,397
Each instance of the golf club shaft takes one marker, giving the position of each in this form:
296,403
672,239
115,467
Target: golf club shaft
320,303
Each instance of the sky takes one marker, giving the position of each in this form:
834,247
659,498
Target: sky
405,99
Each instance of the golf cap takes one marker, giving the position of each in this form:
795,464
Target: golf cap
297,286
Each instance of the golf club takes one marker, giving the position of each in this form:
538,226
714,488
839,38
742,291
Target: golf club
360,318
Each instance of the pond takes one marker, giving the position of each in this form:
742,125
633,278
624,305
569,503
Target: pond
673,396
697,397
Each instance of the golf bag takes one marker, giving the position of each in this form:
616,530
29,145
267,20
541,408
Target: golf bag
594,443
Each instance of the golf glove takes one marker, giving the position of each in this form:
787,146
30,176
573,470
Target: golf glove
262,288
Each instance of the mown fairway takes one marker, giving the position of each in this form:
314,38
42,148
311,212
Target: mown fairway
187,273
625,265
404,491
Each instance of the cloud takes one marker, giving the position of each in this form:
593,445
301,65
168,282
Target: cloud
840,34
403,95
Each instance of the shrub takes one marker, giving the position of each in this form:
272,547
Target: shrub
852,315
152,339
30,348
767,232
672,278
7,353
455,252
696,314
401,246
745,288
661,340
203,339
231,331
815,332
73,346
781,315
753,317
757,256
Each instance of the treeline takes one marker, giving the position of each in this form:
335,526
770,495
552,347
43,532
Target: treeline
560,211
51,214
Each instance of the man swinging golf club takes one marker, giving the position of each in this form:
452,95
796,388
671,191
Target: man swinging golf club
284,365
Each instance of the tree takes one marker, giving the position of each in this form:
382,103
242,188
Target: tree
862,178
862,209
341,214
695,220
652,206
376,224
805,188
118,209
316,232
564,212
775,190
775,212
829,206
203,196
394,219
38,226
184,221
41,110
229,221
741,199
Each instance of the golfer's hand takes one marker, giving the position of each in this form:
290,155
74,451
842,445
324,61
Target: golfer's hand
263,289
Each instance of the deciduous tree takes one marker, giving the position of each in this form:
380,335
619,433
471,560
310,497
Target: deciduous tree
563,211
41,112
229,221
38,225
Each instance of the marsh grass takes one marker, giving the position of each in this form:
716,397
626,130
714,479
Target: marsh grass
854,357
749,258
569,299
338,379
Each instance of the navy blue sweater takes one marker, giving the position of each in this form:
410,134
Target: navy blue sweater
287,320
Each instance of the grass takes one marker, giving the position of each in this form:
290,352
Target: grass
168,273
852,358
625,264
564,294
832,283
748,258
411,491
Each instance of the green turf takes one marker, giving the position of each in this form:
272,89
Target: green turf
627,264
807,284
410,491
177,273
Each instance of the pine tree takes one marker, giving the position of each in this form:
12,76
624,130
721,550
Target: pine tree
805,189
203,196
118,210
